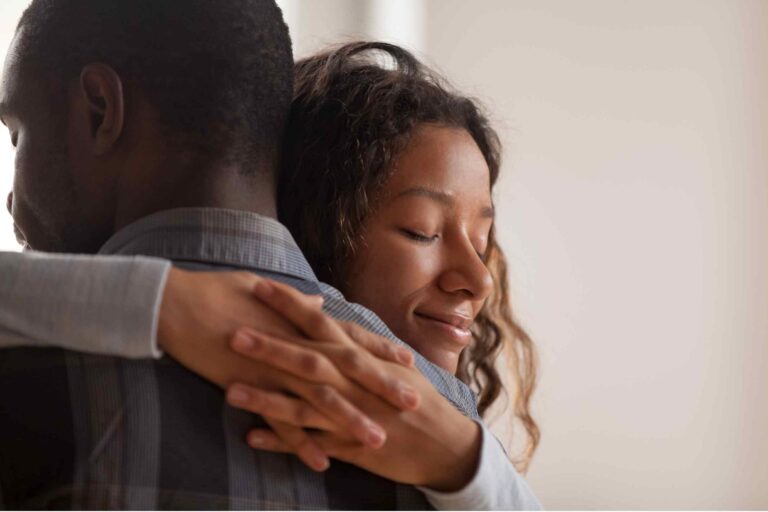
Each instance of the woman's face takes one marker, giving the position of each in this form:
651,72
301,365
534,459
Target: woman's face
420,265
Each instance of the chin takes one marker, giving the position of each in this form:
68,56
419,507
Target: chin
38,240
439,348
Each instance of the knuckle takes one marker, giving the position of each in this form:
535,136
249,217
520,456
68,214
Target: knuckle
309,364
302,415
352,360
326,396
357,334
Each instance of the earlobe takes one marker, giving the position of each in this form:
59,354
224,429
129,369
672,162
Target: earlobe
103,93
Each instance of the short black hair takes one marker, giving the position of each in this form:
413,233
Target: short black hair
218,72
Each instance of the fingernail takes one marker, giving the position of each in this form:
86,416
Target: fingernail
320,463
376,436
237,395
263,287
255,439
243,342
409,397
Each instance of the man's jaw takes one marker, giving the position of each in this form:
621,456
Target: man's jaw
20,238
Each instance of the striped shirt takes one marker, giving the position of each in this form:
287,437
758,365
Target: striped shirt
87,431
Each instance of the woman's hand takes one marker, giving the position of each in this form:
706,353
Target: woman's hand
433,445
200,313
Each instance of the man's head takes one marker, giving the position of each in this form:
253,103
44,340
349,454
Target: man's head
96,93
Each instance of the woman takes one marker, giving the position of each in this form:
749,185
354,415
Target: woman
359,133
363,160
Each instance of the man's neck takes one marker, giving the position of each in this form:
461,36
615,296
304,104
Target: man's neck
213,187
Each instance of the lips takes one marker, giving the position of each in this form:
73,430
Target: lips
453,319
454,325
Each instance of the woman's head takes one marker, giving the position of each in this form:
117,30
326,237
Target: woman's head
386,185
351,118
419,263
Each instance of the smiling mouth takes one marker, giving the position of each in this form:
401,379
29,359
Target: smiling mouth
456,327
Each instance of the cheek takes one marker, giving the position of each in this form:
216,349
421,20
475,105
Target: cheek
24,177
42,184
31,161
388,277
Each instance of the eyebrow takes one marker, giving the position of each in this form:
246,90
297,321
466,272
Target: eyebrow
440,197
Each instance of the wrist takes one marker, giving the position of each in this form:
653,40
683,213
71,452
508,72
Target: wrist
456,469
166,325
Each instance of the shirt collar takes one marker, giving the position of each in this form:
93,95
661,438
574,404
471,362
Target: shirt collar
214,235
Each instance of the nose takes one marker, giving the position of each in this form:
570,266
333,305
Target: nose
9,202
466,273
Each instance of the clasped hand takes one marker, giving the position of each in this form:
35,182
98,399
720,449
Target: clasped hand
326,388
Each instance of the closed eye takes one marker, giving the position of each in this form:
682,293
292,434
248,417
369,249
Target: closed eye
419,237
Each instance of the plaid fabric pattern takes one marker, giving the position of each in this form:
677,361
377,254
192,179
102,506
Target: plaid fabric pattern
91,432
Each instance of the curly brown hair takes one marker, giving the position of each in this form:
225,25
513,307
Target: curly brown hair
351,117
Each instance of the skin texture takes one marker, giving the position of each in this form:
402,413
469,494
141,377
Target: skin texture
420,267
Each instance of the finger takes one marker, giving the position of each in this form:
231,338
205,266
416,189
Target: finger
267,440
290,355
300,443
321,362
349,418
318,375
293,305
277,407
265,289
363,368
379,346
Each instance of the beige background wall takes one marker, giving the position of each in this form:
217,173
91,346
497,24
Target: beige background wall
633,208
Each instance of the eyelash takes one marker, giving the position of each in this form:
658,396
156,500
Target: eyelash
418,237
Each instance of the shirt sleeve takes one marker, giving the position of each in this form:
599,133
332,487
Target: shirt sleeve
495,486
99,304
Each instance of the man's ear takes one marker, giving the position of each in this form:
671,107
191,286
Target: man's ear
102,91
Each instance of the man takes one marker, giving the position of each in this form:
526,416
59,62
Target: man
121,111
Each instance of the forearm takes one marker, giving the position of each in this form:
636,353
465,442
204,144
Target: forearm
496,484
97,304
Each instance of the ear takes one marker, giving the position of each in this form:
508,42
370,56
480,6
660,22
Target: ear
102,91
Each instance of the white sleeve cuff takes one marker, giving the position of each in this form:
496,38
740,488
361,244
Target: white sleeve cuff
95,304
496,484
150,276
